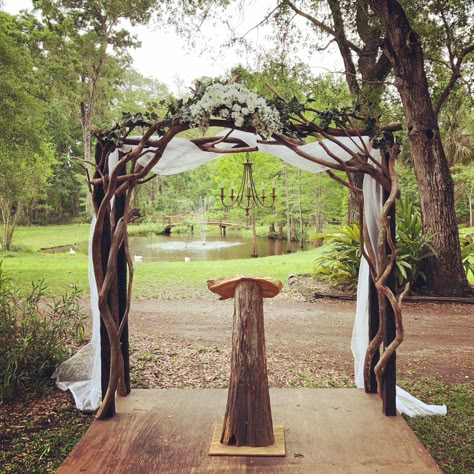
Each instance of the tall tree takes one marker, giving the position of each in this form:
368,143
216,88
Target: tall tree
403,47
58,90
25,155
365,78
136,93
95,44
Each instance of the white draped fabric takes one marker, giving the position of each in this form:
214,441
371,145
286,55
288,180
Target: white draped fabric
81,373
182,155
406,403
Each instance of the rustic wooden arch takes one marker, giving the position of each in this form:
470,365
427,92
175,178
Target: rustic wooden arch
113,268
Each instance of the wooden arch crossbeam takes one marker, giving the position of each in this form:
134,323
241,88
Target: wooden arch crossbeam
113,268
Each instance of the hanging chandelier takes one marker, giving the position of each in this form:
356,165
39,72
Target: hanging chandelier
247,196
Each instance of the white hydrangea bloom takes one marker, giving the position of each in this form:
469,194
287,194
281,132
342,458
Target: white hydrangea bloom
235,102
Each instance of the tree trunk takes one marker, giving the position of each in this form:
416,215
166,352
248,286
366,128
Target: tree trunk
373,68
445,274
87,106
287,203
318,218
248,417
86,143
254,237
471,213
300,209
280,231
293,237
352,200
271,231
344,47
10,217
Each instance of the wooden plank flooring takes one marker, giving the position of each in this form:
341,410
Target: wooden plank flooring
326,431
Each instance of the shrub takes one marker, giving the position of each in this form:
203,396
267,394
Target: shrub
340,261
413,244
467,255
35,335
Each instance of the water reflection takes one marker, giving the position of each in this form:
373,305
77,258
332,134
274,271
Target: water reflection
175,248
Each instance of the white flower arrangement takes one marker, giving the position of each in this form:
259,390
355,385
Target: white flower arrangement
233,102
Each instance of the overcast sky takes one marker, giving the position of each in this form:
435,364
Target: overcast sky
167,57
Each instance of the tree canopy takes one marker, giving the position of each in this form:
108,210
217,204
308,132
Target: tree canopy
26,155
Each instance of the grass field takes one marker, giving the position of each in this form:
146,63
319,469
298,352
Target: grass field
38,237
158,279
61,271
450,438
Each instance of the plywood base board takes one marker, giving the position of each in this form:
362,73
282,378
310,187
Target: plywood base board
276,449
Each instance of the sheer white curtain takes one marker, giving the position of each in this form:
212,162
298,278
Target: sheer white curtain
81,373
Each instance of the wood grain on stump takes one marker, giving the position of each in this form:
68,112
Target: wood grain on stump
248,417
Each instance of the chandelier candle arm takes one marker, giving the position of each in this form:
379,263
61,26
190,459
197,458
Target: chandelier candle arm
247,195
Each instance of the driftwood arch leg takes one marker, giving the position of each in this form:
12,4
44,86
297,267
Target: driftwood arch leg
389,396
248,417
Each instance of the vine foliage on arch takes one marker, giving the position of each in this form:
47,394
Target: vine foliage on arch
279,122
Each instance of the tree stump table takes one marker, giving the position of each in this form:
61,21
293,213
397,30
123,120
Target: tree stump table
248,417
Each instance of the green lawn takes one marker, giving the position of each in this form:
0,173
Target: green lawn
38,237
61,271
466,230
166,278
450,438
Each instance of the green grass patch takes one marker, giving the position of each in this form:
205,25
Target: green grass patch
38,237
449,439
466,230
174,279
62,271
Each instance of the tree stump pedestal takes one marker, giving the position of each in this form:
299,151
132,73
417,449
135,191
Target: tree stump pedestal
248,418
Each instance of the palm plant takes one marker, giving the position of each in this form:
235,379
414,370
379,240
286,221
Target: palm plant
413,244
467,254
340,260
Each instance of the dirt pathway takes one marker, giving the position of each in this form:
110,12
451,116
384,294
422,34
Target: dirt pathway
186,343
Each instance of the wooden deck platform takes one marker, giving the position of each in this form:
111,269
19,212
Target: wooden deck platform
326,431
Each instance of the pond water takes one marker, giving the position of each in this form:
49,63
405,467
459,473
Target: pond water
175,248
